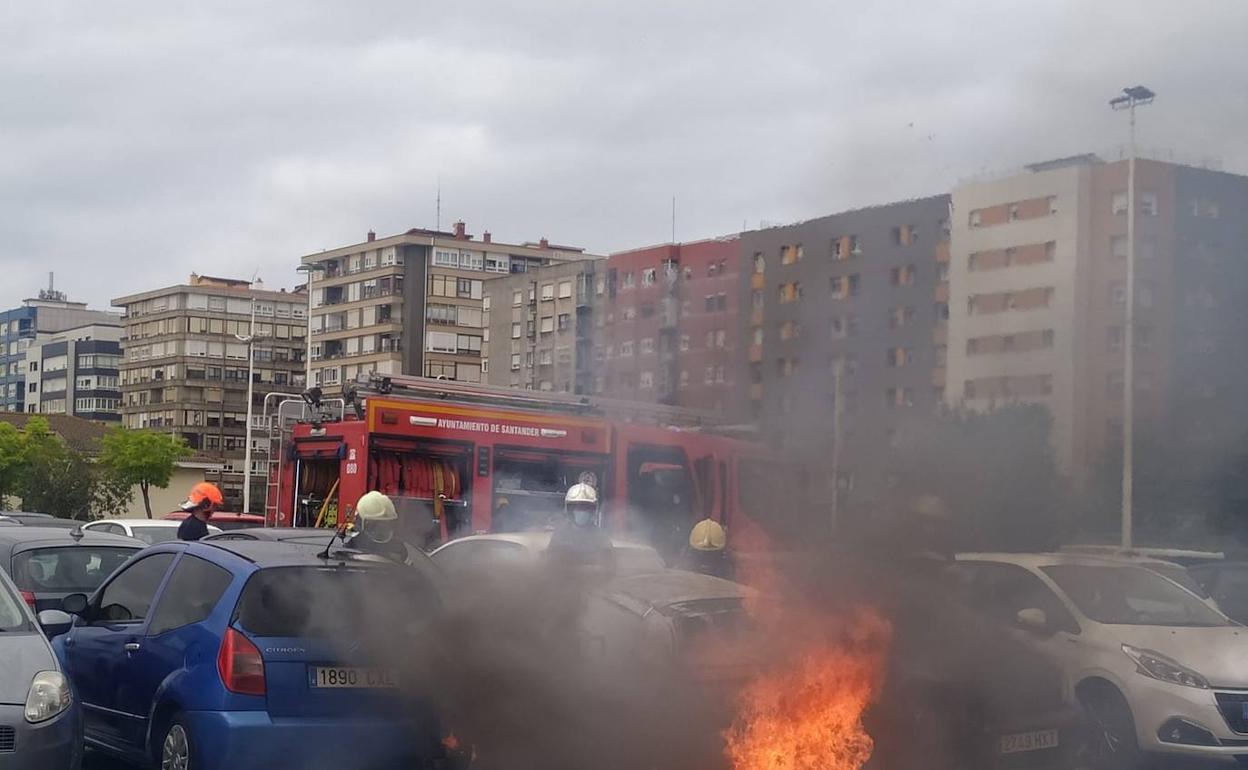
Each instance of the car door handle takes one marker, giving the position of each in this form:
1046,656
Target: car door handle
131,647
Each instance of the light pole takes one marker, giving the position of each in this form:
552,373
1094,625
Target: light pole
836,446
307,354
1130,99
250,339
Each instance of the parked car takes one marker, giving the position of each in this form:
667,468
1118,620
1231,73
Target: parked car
42,520
150,531
1226,582
1158,670
478,552
242,654
40,720
48,564
225,520
8,521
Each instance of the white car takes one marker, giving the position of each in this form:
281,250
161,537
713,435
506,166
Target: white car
1157,669
150,531
475,552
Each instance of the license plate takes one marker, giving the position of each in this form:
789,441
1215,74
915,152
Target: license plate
338,677
1033,741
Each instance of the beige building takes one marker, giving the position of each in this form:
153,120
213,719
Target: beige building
371,301
540,327
184,368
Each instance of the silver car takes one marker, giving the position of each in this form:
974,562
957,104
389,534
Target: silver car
40,723
1158,670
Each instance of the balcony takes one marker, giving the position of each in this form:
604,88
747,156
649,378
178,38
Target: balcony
756,317
942,291
758,281
942,252
940,335
756,353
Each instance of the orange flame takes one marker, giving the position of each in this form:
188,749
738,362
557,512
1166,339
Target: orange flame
451,742
808,715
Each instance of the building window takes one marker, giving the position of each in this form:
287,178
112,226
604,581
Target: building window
898,397
565,320
1118,246
757,300
626,349
1148,204
974,219
1114,339
1144,295
791,254
843,286
629,280
898,357
1114,386
548,292
789,330
760,263
629,313
942,311
547,324
714,303
900,316
1119,203
902,276
1205,208
647,346
649,276
785,367
844,326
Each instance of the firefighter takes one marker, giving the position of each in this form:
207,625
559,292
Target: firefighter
579,540
375,523
708,550
203,499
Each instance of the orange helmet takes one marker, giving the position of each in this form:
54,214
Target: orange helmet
201,492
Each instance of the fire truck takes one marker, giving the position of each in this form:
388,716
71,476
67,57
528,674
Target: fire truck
460,459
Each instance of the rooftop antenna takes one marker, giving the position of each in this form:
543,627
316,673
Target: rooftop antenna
438,220
673,219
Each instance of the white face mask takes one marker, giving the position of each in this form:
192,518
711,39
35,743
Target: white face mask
582,516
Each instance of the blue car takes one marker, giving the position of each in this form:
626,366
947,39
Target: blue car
238,654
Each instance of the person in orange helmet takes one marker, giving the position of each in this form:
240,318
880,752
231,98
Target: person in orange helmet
200,504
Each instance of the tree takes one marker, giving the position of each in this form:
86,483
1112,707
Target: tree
12,461
141,458
59,481
994,471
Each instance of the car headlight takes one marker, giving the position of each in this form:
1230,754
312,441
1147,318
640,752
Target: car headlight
49,696
1158,666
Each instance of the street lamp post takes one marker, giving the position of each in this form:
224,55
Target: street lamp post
307,335
250,339
1129,100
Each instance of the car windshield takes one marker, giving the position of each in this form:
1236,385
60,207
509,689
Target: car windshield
1133,596
1180,575
69,569
154,535
332,602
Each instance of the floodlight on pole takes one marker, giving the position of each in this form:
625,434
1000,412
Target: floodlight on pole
1132,97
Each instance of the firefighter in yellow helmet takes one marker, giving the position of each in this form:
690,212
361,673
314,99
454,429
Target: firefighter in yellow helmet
708,550
375,525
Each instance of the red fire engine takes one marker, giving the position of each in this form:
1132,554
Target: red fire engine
459,459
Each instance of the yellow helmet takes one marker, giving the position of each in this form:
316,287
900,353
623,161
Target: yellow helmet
707,535
374,506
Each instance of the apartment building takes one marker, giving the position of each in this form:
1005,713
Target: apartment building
371,300
184,367
76,372
668,326
539,327
1039,298
853,304
49,312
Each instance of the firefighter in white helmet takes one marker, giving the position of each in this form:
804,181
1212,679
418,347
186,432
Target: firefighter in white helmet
375,524
579,540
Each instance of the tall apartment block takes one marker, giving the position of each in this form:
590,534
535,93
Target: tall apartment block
411,303
184,369
667,320
1039,294
539,328
77,372
853,304
49,312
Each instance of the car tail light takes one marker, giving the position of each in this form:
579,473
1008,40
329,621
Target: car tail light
240,665
29,598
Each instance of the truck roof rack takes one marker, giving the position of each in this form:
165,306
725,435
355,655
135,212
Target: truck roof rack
428,389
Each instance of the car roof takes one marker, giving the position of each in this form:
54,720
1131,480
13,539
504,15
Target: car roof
15,536
662,589
279,533
1146,552
268,553
1038,560
536,541
139,522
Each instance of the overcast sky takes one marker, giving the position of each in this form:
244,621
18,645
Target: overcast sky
140,141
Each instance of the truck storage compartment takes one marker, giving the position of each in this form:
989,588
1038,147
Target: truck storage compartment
430,485
529,485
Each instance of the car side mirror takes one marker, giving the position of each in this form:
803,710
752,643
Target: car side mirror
1034,620
75,604
55,622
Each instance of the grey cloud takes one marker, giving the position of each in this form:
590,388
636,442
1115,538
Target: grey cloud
144,141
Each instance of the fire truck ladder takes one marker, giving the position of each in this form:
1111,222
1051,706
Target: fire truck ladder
426,389
280,420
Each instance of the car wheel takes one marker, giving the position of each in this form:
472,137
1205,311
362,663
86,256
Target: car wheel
1112,743
175,749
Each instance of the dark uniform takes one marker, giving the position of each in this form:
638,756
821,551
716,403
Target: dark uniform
192,528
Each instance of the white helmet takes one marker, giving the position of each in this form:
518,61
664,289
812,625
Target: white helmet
581,494
374,506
